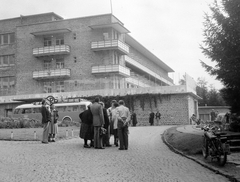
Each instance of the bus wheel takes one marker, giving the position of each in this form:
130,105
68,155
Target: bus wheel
66,121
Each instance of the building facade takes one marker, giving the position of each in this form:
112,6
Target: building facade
45,54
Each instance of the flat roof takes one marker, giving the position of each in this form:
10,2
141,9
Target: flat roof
50,32
117,26
49,13
139,47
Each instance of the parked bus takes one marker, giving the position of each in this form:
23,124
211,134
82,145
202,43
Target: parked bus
67,111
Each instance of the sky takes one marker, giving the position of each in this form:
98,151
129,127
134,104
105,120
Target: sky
171,29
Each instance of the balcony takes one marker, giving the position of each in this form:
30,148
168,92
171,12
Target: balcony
52,73
115,68
51,50
110,45
141,67
137,82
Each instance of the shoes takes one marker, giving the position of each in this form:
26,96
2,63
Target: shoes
126,148
99,148
86,146
53,140
45,142
121,149
108,145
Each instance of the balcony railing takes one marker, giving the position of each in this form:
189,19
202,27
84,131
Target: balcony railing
52,73
115,68
137,82
51,50
136,64
110,44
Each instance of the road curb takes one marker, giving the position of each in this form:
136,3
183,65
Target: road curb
215,170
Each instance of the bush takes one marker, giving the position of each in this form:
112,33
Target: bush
19,123
235,124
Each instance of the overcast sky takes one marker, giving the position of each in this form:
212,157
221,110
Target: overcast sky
170,29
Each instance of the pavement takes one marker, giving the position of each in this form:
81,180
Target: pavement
148,159
196,130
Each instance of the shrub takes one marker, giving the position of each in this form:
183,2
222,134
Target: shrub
19,123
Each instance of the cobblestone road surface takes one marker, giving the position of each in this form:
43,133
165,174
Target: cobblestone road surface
148,159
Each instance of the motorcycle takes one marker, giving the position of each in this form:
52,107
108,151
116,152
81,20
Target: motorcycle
215,145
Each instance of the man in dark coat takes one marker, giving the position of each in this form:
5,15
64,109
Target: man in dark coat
106,138
134,118
151,118
86,129
98,122
46,118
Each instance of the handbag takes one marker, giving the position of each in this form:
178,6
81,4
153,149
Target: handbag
102,131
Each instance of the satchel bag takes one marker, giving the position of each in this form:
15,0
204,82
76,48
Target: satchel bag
103,131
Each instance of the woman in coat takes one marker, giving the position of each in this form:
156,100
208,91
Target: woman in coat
86,130
53,126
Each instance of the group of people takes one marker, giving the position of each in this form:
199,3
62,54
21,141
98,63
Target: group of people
99,123
156,116
49,121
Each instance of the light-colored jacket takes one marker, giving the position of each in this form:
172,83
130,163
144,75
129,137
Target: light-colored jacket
97,112
114,118
123,112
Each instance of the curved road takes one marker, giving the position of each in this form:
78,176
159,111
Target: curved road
148,159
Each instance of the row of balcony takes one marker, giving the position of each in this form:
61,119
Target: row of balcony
66,73
95,46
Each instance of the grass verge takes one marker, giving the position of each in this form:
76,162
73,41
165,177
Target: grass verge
189,144
27,134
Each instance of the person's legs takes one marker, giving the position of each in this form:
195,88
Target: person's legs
95,136
125,137
120,136
45,132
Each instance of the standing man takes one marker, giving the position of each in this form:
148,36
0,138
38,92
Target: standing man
158,117
106,136
134,118
151,118
46,118
98,122
124,116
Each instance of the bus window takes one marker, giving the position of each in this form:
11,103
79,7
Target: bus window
82,108
75,108
69,108
61,108
26,111
16,111
36,110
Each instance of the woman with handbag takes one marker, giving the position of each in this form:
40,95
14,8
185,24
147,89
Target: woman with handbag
53,126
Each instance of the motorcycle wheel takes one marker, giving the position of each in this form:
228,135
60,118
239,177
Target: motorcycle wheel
205,148
222,159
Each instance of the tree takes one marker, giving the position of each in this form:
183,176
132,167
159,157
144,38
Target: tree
222,45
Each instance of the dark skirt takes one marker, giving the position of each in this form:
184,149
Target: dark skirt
86,131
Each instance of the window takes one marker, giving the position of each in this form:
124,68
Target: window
36,110
7,39
47,64
74,108
47,41
115,35
59,40
6,60
47,86
115,58
59,63
26,111
60,86
7,82
16,111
